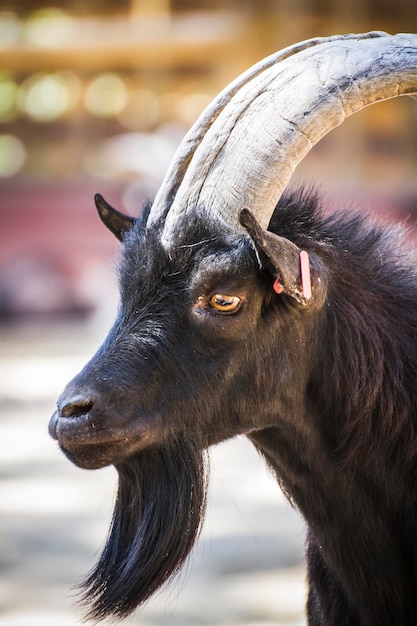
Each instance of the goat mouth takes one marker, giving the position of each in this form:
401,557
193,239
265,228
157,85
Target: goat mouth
94,457
91,446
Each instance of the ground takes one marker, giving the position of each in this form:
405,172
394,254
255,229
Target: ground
247,569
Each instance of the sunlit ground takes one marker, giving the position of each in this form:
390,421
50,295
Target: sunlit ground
247,569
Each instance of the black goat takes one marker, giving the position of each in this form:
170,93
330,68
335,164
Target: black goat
302,337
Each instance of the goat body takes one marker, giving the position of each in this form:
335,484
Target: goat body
325,391
275,322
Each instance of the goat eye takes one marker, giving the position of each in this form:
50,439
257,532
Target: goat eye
225,304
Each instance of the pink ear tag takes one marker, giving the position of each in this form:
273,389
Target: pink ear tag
278,287
305,274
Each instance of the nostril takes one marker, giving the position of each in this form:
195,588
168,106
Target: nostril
76,408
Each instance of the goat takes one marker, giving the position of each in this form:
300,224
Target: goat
244,310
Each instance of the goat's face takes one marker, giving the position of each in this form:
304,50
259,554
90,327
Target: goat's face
187,363
188,351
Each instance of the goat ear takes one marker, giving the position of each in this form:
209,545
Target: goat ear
297,274
116,222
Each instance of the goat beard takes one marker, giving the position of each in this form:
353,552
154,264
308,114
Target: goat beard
158,512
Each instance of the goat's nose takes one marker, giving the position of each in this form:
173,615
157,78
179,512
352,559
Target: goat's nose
75,407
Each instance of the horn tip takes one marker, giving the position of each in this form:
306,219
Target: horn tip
246,217
99,200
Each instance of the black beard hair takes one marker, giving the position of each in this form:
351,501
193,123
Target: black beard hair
159,508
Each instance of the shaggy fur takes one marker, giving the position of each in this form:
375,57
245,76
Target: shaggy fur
159,507
356,484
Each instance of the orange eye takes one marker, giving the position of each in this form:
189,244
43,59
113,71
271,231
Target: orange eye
225,304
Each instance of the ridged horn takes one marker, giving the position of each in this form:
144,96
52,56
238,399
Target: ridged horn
244,148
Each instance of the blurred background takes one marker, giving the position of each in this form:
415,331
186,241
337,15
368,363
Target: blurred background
95,96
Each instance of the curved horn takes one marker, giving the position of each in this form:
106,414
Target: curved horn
245,146
195,135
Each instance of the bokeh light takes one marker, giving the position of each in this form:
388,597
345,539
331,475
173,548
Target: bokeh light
48,27
191,105
142,111
106,95
8,93
10,29
12,155
47,97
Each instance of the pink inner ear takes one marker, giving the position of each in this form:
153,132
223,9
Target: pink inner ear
278,287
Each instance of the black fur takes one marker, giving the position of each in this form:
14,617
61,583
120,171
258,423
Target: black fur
355,483
325,389
159,507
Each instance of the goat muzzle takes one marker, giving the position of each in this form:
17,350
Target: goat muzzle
91,438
